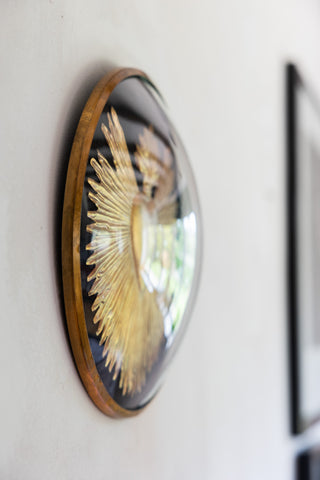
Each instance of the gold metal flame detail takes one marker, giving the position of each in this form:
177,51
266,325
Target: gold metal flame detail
130,323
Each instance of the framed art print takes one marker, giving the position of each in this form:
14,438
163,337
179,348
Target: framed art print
308,464
303,147
130,242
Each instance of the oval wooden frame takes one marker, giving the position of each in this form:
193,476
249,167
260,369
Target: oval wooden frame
71,242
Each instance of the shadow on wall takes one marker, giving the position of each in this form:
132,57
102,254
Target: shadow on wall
82,87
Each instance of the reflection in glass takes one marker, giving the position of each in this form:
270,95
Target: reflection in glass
139,246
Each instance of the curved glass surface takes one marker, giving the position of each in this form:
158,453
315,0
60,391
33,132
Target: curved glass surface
139,245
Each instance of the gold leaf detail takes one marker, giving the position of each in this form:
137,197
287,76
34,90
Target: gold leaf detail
146,156
129,320
158,175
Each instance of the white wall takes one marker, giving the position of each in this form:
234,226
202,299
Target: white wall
223,411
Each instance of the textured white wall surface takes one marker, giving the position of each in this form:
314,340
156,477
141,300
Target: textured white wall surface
223,410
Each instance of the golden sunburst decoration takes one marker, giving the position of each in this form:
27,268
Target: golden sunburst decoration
127,311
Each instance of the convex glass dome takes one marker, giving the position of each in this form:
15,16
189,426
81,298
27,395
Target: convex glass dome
130,242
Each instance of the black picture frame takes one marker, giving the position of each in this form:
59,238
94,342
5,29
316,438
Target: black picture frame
308,464
303,165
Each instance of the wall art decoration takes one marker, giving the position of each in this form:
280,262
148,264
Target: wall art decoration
303,141
130,242
308,464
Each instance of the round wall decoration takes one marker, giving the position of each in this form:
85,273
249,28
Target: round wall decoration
130,242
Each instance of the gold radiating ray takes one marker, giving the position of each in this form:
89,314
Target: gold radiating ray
157,174
146,156
129,320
